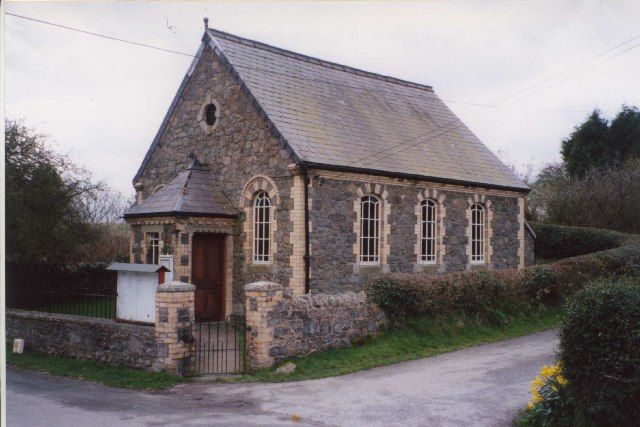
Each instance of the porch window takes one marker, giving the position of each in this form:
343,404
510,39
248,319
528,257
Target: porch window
369,230
428,231
477,233
262,228
153,248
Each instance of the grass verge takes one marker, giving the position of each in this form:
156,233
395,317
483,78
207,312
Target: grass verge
113,376
417,339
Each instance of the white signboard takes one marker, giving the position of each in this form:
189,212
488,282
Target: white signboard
137,296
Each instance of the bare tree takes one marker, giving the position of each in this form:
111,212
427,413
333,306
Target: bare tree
103,206
607,197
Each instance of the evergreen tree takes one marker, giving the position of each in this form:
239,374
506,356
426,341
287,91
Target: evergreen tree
598,144
587,147
624,135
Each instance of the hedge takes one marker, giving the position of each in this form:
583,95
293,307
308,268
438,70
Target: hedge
600,352
560,241
492,293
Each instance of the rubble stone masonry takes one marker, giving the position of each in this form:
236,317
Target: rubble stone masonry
334,259
239,148
280,326
101,340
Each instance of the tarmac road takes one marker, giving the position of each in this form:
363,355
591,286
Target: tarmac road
482,385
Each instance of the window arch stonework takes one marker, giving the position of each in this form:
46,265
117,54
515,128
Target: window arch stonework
202,113
256,186
440,213
378,192
486,215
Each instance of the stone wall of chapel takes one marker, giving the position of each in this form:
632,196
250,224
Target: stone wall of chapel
333,257
241,147
238,148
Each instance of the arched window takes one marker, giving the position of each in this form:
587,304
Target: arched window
428,231
262,228
369,229
477,233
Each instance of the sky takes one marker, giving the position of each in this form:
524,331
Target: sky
102,101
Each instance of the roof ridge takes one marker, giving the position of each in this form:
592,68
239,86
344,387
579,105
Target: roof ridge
316,61
183,190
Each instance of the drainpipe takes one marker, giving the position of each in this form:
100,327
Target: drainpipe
307,255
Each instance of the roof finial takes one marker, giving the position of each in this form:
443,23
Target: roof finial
206,23
195,163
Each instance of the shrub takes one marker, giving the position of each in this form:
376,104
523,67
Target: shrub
412,295
560,241
600,351
485,293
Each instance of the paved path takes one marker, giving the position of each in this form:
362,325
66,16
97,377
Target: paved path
483,385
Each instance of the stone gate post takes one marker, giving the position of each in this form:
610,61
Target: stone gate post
175,327
260,298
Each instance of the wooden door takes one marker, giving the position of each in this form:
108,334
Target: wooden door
208,276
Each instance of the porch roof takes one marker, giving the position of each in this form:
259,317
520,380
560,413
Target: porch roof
193,192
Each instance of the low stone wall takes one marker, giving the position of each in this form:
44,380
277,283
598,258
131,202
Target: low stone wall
102,340
280,327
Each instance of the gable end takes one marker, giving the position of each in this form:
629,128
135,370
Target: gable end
208,41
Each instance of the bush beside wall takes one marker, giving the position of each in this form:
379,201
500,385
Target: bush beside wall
490,294
600,352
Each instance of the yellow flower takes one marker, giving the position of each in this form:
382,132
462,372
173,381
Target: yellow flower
554,371
530,405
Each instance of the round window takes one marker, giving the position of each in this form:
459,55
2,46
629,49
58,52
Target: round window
210,114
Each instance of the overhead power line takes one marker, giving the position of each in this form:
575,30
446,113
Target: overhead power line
104,36
404,95
402,146
417,139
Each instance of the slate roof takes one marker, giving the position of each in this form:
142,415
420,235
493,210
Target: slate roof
192,192
341,116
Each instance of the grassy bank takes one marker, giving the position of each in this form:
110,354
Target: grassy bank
113,376
417,339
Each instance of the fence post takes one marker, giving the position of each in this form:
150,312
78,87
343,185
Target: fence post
260,298
175,326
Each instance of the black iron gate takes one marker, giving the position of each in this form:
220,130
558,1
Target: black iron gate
221,346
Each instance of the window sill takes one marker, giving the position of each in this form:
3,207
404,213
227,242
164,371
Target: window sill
369,264
428,263
261,264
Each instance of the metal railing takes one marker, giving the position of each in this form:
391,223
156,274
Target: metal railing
221,346
101,305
